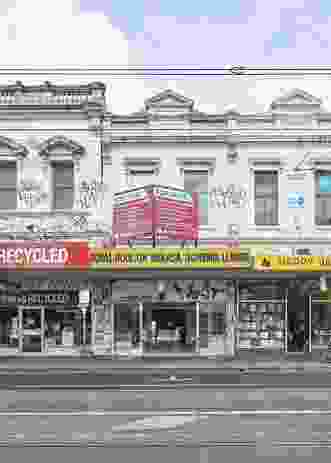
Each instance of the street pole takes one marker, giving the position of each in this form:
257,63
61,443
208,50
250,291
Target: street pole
84,309
84,301
101,148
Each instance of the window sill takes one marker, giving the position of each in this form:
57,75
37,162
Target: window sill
265,227
207,228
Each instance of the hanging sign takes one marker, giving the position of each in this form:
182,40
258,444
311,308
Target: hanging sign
40,298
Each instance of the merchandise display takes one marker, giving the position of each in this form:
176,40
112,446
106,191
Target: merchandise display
261,325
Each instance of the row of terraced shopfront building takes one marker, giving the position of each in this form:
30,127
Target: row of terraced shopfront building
194,301
222,221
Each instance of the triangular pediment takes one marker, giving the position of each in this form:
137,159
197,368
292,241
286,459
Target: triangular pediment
296,98
59,144
169,99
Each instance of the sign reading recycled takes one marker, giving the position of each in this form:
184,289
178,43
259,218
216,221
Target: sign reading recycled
293,263
170,258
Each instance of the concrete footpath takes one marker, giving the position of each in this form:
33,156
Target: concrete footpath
111,365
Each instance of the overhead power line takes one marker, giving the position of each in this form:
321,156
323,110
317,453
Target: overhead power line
170,71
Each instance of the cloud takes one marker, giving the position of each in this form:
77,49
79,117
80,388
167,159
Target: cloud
53,34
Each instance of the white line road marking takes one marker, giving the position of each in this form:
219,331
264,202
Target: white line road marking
200,413
157,422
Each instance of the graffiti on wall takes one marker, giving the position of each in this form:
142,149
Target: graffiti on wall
90,194
30,193
230,196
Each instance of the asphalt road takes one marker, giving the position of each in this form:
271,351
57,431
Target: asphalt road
54,400
193,425
235,454
165,379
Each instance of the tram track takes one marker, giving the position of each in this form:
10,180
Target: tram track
165,444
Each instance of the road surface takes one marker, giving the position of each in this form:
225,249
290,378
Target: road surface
156,379
178,422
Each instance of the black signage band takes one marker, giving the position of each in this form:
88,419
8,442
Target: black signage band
37,298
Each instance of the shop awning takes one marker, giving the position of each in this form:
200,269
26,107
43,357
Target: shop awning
158,274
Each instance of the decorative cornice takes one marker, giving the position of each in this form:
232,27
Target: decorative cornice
196,164
242,136
16,149
266,161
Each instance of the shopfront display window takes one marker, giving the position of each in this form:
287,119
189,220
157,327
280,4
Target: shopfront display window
169,327
63,328
127,332
215,327
9,328
320,324
261,317
32,330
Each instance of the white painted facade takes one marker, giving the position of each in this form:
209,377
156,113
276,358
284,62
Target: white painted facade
41,124
170,134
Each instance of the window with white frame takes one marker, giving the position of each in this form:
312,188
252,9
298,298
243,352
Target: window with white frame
323,197
137,177
63,185
266,197
196,181
8,185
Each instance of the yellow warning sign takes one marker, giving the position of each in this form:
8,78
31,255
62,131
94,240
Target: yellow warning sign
293,263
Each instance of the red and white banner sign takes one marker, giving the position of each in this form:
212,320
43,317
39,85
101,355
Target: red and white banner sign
166,212
36,255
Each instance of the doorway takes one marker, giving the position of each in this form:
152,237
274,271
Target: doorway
298,320
32,329
170,328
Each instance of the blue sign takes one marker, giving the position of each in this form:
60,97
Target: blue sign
325,184
296,200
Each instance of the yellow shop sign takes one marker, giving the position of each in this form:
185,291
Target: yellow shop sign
224,258
293,263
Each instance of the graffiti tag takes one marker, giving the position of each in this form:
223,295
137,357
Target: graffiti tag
230,196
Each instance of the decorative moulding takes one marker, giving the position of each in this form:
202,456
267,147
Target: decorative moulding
151,166
265,162
73,148
322,160
186,164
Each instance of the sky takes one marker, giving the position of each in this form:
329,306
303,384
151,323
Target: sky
62,33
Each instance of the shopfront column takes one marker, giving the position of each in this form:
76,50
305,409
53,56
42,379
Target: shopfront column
230,321
103,319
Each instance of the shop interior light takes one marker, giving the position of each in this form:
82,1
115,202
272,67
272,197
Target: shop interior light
323,284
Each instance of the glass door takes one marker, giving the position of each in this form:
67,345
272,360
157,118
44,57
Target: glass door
32,329
127,330
320,333
170,328
298,321
214,328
